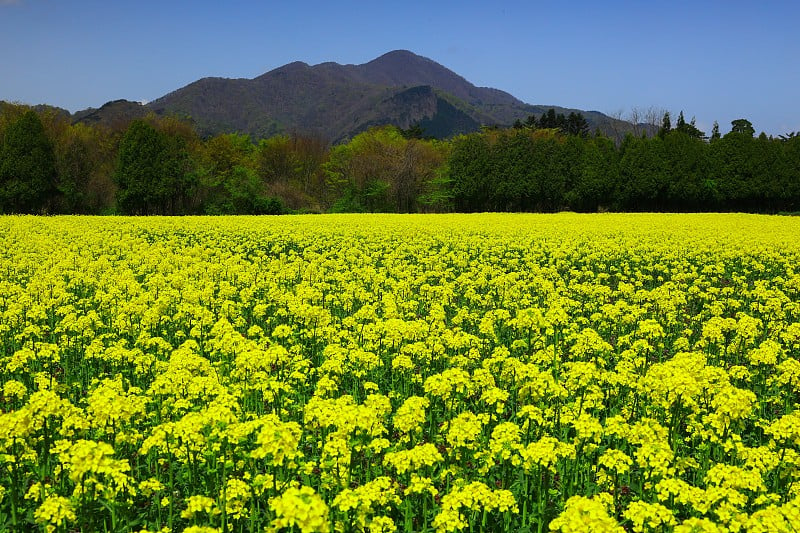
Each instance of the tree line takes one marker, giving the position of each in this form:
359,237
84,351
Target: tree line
160,166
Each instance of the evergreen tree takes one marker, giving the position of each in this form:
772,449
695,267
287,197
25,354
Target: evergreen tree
415,132
139,168
27,167
742,125
643,175
715,136
686,165
577,125
666,125
689,129
680,125
561,122
470,169
151,173
74,167
733,158
548,119
511,165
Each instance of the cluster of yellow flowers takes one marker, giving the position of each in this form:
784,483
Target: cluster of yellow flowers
400,373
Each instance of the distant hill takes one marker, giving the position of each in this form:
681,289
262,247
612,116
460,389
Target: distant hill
337,101
118,112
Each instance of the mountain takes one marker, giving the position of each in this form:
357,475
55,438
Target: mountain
336,101
115,113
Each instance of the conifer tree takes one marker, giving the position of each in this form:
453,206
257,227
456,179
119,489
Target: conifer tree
666,125
27,167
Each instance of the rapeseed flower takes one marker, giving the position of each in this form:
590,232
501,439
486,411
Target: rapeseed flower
55,512
648,516
583,514
367,359
199,504
300,507
407,460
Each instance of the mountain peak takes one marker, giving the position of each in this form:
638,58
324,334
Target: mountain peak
399,55
401,52
294,66
337,101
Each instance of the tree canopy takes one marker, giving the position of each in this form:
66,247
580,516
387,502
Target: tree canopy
547,162
27,167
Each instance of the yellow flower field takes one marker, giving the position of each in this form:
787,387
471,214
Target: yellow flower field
381,373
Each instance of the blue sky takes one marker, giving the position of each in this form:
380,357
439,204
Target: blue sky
713,60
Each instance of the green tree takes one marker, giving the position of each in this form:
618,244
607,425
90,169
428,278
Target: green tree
152,171
415,131
241,192
772,176
732,170
643,179
686,164
232,184
788,178
381,170
715,136
666,124
577,125
275,160
310,152
551,119
75,164
680,124
597,175
511,167
420,179
689,128
547,176
291,167
742,126
27,167
139,169
470,172
436,194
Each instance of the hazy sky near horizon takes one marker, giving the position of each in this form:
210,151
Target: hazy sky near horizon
715,60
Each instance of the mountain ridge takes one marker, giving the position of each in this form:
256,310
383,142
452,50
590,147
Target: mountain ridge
335,101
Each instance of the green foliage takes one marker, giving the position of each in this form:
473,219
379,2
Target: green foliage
291,167
715,135
551,119
275,159
688,128
75,165
152,173
666,124
742,126
240,191
732,168
469,172
414,132
687,170
596,173
159,165
437,195
573,124
384,170
576,125
27,167
231,182
643,178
